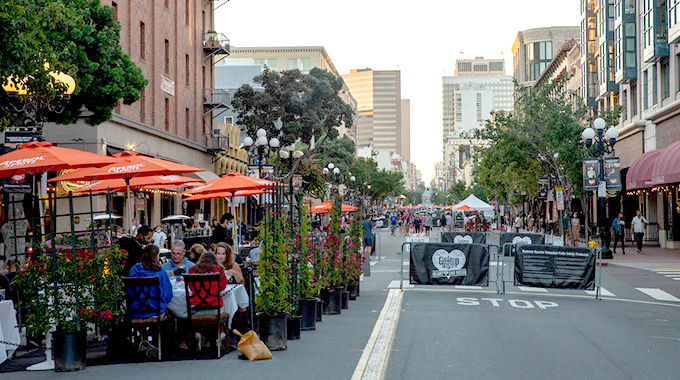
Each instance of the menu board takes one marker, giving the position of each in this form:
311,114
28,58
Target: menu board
555,267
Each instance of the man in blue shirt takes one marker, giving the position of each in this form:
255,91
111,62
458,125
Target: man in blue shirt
368,226
178,260
393,223
617,229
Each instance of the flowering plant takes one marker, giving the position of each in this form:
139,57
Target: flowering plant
309,280
71,293
273,295
334,246
354,258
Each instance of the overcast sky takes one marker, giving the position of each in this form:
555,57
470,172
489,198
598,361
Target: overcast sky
421,38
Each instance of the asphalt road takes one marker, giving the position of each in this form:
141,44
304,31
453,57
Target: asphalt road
445,332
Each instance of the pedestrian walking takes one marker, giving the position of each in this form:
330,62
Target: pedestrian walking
393,224
427,223
518,223
575,228
637,229
617,230
449,222
368,226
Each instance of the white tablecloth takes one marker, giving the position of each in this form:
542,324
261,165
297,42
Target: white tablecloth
9,331
233,298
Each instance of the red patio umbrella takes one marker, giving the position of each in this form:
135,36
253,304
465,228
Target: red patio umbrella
326,206
42,157
463,208
230,182
156,181
129,165
224,194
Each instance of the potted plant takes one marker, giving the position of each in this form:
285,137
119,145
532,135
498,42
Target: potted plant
272,301
355,258
308,283
69,295
211,37
332,293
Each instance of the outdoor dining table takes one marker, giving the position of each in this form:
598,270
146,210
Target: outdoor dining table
233,298
9,331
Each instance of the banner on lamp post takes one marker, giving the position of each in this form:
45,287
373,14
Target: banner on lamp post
612,173
559,198
591,174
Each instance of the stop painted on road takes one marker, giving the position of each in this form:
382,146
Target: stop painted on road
499,302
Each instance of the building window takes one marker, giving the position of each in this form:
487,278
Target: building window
167,58
624,104
618,59
271,63
187,12
115,11
633,99
665,79
645,89
301,64
479,107
167,4
142,41
647,22
187,73
229,120
167,114
655,92
142,105
187,118
539,55
673,13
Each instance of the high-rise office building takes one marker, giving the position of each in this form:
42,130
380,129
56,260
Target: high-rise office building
378,95
406,129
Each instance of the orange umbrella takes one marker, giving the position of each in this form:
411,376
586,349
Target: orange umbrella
225,194
188,184
129,165
42,157
463,208
156,181
230,182
326,206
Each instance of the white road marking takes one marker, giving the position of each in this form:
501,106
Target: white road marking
395,284
470,287
659,294
385,271
531,289
376,354
603,292
373,263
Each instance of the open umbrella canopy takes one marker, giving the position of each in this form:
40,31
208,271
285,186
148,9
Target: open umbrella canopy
223,194
230,182
129,165
118,184
326,206
187,184
42,157
463,208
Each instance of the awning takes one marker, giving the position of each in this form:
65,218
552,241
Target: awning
667,165
206,176
640,172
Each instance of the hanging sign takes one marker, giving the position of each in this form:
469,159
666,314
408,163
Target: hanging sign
612,173
454,264
559,197
543,188
591,174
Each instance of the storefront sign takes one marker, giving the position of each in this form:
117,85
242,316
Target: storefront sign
555,267
591,174
612,173
454,264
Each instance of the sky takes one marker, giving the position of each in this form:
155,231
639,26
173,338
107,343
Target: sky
421,38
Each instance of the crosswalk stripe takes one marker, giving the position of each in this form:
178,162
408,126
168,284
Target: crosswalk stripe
668,271
659,294
394,284
471,287
603,292
530,289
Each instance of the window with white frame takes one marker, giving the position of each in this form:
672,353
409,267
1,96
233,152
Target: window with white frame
673,12
648,22
618,49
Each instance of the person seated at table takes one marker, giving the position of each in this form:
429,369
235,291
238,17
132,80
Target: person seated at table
207,263
178,264
149,266
225,257
196,251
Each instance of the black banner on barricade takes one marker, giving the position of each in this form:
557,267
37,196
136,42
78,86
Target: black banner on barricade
520,238
448,263
549,266
473,237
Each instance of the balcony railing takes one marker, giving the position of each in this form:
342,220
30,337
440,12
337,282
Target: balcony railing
216,41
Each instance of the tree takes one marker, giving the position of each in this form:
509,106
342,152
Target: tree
376,183
340,152
78,37
295,107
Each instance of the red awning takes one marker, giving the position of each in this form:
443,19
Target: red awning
640,172
667,165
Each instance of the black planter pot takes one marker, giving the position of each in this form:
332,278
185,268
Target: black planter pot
293,327
332,301
308,314
319,310
69,350
345,299
353,292
273,331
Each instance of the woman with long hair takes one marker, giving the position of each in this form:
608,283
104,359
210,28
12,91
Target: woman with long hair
207,263
225,257
196,252
149,266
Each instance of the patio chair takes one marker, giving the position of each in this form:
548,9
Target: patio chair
140,294
203,288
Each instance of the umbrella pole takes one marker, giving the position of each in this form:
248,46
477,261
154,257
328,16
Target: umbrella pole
129,205
233,227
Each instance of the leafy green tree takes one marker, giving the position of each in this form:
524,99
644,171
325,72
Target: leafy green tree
338,151
78,37
295,107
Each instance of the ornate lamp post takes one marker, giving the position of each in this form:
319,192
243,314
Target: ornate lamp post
600,143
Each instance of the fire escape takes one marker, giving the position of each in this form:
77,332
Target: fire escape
216,47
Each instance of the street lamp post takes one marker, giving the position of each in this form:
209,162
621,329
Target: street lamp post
600,142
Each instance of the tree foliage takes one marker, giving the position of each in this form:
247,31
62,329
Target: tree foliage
376,183
77,37
294,107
